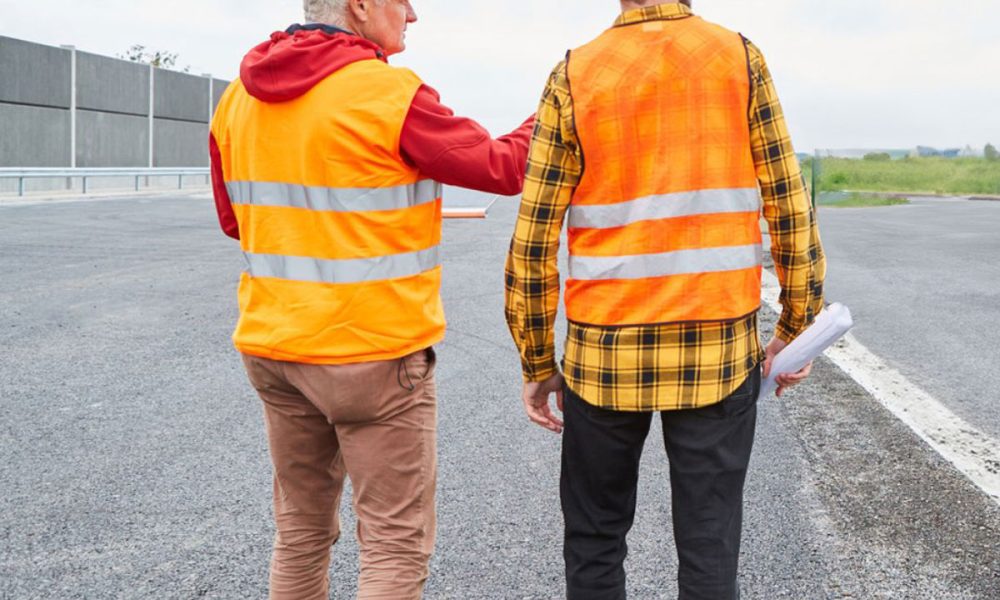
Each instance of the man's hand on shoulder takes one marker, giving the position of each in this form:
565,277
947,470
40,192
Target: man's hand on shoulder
536,402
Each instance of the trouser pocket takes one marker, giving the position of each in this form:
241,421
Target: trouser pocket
416,368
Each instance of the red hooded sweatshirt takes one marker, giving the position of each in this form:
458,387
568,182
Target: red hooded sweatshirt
449,149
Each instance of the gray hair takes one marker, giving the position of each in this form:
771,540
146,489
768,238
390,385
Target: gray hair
324,11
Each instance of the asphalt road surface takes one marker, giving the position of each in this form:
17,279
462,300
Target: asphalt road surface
923,283
133,462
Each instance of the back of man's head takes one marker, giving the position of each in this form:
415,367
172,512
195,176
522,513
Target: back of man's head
324,11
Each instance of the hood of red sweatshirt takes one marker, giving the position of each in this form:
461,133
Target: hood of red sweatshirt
293,61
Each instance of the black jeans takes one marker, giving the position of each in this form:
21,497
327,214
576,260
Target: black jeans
708,448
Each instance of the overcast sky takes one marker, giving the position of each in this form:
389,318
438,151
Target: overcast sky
850,73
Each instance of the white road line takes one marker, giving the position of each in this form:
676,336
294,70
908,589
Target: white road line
975,454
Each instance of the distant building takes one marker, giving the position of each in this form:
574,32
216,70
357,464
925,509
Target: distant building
859,153
928,152
844,153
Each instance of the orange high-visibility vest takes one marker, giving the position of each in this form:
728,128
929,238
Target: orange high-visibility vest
340,235
664,225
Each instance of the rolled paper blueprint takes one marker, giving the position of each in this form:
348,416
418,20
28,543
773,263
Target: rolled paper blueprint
469,212
831,325
463,213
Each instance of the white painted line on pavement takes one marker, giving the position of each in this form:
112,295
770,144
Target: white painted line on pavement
975,454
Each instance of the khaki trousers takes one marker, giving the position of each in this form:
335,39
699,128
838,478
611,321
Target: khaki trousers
374,422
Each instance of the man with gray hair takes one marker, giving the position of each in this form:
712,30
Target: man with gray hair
327,166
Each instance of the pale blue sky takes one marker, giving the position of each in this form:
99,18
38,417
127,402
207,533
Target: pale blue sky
851,73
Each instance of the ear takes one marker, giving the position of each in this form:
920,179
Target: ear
360,9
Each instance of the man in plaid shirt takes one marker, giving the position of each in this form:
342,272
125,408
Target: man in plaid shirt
660,142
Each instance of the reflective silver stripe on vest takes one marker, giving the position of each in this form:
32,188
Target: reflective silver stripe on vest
354,270
681,262
260,193
665,206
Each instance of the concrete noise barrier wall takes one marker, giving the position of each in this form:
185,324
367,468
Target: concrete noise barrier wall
60,107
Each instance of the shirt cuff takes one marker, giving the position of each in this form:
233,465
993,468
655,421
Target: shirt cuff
538,369
788,328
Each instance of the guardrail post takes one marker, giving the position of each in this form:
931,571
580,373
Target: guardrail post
72,112
20,186
180,182
84,184
137,183
152,107
815,177
211,94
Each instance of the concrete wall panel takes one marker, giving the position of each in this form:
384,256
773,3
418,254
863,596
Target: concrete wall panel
181,96
32,136
112,120
218,88
111,85
34,74
179,143
111,140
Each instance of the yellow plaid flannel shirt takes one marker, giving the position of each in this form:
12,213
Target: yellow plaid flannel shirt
663,366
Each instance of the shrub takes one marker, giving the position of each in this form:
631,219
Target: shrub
838,179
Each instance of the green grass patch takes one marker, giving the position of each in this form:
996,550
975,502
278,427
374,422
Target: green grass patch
931,175
856,200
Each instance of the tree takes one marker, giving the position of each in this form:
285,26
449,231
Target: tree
159,59
878,156
990,152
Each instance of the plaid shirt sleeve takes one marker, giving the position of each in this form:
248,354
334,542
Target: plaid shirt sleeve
798,256
532,273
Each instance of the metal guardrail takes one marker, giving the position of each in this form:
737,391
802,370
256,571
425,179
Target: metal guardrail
21,174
